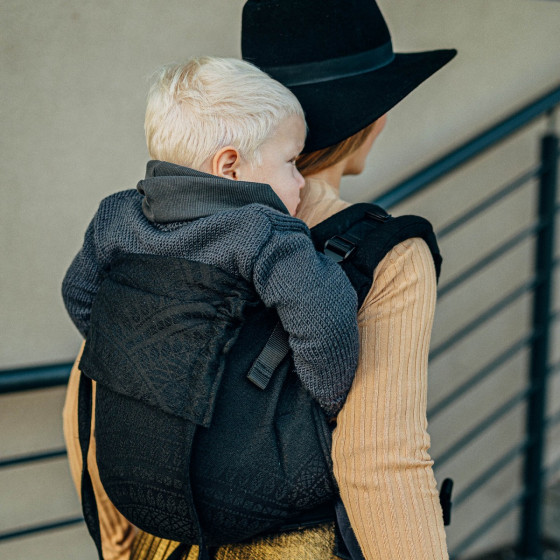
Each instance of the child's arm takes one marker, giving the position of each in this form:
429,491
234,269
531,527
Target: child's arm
317,306
82,281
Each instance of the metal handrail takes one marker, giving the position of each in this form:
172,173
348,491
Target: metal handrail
476,378
485,316
490,201
39,377
453,160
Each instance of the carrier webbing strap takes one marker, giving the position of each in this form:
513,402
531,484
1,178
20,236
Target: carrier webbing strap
89,505
203,553
274,351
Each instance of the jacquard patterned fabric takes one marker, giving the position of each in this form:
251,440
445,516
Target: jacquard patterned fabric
168,350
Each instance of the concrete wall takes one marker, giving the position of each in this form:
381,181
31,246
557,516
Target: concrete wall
73,85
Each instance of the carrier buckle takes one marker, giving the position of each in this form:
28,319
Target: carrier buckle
338,248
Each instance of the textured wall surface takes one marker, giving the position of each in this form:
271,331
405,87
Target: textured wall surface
74,81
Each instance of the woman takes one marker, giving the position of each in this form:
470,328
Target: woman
337,58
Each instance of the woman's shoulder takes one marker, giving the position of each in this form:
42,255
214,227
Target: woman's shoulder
407,269
408,253
409,263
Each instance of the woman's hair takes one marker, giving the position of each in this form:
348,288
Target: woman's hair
198,107
318,160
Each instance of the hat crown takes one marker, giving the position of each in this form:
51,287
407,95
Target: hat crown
336,56
285,32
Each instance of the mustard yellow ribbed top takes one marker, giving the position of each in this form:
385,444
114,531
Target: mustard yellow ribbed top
380,445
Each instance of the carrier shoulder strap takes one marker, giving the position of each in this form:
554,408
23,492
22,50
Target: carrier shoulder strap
89,504
358,238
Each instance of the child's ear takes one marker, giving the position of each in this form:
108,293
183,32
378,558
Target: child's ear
226,163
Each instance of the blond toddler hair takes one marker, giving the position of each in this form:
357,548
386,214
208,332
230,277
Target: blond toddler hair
200,106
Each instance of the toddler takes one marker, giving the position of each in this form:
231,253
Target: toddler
222,188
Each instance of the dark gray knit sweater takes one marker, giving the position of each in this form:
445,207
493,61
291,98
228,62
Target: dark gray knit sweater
245,229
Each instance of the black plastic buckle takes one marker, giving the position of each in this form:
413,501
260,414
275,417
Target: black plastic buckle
378,215
339,249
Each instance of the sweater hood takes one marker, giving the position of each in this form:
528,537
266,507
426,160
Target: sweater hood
173,193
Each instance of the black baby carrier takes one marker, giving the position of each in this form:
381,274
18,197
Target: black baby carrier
204,433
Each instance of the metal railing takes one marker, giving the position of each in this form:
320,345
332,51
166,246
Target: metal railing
536,341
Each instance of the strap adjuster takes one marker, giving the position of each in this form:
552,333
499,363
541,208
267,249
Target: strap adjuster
338,248
273,352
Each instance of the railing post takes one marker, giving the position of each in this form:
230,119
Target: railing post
530,543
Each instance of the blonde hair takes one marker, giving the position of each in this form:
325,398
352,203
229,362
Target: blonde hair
318,160
200,106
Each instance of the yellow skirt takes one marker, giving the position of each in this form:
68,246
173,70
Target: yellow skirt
316,543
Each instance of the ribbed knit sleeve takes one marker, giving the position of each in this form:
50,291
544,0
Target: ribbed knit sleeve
380,445
84,276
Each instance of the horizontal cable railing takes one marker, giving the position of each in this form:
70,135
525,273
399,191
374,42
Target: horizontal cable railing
482,426
40,377
490,522
40,528
23,379
483,317
490,201
32,458
492,471
508,354
488,259
452,161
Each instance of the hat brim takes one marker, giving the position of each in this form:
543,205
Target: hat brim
337,109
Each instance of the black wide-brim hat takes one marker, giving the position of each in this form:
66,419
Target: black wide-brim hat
337,57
